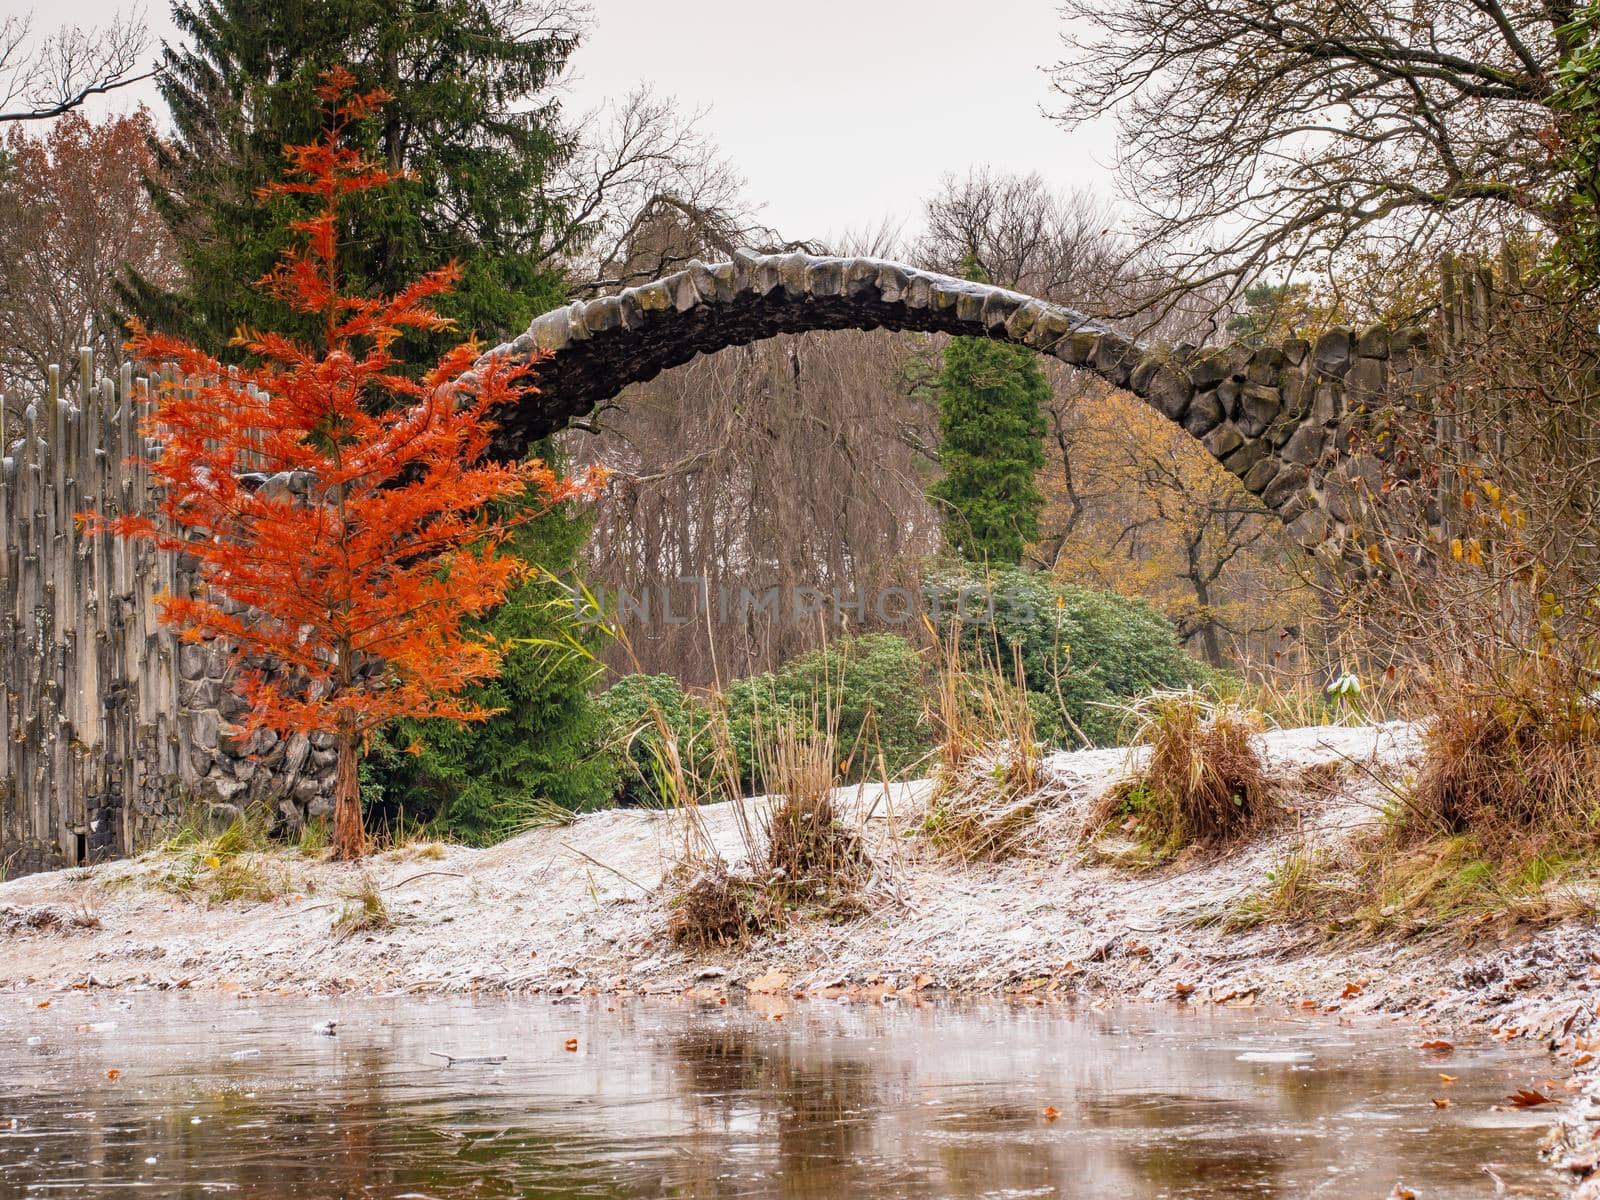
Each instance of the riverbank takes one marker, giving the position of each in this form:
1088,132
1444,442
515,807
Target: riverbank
583,908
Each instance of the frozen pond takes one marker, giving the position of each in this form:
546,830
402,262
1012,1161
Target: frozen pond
196,1095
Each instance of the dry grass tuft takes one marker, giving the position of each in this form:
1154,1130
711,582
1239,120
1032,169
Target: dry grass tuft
987,785
1505,762
809,853
363,912
801,853
1454,888
713,906
1204,783
236,864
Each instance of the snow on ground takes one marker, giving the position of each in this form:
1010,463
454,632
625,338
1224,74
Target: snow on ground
582,907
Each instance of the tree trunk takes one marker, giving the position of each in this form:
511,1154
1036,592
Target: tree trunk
349,837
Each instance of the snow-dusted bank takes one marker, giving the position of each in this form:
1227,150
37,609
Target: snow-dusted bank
584,906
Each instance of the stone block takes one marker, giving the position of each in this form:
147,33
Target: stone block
1113,359
1289,481
1204,414
1373,341
1258,476
1366,379
1208,369
1306,446
1333,352
1168,393
1246,456
1327,405
1222,441
1266,364
1259,406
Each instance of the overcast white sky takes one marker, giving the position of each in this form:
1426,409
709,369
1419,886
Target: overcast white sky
839,113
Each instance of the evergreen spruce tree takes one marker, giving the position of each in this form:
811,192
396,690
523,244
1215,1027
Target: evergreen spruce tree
990,432
481,783
471,127
470,124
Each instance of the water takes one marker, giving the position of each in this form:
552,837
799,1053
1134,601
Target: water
804,1098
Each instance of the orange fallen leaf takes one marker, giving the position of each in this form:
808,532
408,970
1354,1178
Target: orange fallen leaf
1183,990
42,1004
772,981
1583,1060
113,1074
1351,990
1446,1079
1439,1046
1439,1102
1528,1098
1052,1113
572,1044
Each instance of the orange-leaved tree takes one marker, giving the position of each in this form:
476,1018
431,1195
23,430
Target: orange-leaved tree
345,584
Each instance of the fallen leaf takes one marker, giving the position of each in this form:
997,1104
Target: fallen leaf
1351,990
1402,1192
771,982
1528,1098
1439,1046
1440,1102
42,1004
1052,1113
1184,990
1583,1060
1446,1079
113,1074
572,1045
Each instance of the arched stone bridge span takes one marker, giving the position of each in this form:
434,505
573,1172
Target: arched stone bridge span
1274,416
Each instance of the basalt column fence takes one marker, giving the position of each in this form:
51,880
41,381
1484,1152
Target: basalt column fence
109,727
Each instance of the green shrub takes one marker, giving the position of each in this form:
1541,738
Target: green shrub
1082,651
632,713
870,687
480,783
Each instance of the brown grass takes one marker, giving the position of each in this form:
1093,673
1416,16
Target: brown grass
988,783
713,906
809,852
1203,784
363,911
802,853
1521,759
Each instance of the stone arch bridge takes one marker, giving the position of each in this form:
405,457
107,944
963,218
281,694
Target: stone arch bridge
108,725
1275,416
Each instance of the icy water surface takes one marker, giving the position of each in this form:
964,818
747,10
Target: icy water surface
189,1095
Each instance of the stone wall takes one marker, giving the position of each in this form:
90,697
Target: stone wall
109,729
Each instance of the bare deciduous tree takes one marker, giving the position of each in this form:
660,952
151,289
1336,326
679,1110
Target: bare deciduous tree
75,219
645,192
61,71
1264,135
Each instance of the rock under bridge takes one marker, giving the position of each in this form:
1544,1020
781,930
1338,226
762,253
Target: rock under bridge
1275,416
